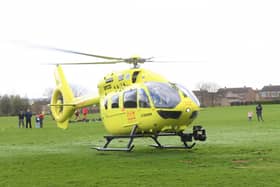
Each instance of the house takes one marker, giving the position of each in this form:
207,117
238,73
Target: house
205,98
227,96
270,93
236,96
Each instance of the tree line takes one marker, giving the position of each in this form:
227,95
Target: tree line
10,105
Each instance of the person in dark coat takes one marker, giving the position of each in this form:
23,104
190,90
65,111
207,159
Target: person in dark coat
259,112
28,116
21,119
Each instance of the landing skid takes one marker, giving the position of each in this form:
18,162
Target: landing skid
198,134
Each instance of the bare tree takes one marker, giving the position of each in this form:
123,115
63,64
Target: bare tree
48,93
78,90
208,86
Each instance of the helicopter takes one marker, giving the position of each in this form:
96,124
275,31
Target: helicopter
134,103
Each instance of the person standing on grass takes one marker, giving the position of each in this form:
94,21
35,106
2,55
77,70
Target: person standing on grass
250,115
77,115
85,113
21,119
41,117
259,112
28,116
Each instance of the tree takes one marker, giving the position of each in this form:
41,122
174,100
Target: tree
78,90
11,105
5,105
208,86
48,93
18,104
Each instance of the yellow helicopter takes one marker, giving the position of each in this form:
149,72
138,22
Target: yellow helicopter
134,103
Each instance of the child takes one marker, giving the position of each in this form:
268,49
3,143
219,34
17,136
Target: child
250,116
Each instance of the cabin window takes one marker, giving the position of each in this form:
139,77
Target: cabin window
107,87
109,80
115,101
127,76
120,77
143,99
106,103
129,99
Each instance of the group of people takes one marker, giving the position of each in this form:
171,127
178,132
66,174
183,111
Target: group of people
258,112
85,112
28,116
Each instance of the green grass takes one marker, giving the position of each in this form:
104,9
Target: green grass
236,153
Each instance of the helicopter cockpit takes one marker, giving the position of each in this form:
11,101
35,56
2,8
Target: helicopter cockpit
163,95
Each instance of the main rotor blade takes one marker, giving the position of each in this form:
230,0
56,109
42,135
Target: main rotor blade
87,63
80,53
174,61
63,50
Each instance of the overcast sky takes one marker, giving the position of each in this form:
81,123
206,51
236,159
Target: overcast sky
232,43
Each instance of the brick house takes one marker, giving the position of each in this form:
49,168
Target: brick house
205,98
227,96
269,93
236,96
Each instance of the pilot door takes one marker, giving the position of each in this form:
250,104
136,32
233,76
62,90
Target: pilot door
144,111
130,108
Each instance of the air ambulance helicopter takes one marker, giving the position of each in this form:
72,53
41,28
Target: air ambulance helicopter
134,103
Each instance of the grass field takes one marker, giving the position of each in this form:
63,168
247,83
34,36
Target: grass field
236,153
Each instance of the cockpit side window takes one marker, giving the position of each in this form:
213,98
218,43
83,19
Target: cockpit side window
188,93
130,99
143,99
115,101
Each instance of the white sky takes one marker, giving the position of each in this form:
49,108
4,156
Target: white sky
236,43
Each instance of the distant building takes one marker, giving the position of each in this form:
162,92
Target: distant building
269,93
227,96
205,98
236,96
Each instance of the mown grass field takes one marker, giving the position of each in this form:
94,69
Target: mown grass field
236,153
